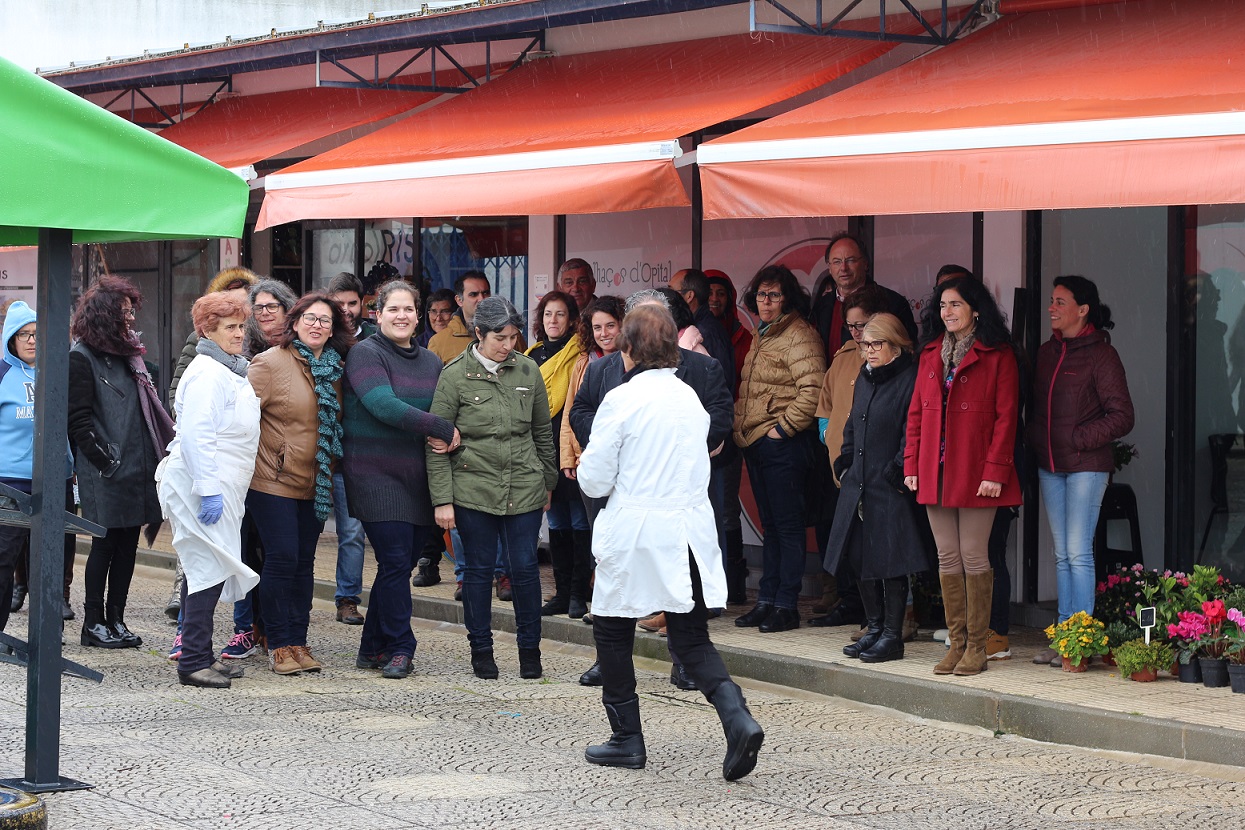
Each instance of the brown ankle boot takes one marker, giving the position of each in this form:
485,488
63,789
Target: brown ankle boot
979,589
953,600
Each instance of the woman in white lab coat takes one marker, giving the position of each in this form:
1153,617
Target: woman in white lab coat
655,543
202,484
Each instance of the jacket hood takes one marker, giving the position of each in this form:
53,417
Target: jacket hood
19,314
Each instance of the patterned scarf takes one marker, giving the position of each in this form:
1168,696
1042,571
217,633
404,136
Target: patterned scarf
325,371
159,425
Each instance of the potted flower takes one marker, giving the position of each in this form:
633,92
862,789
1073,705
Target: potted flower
1210,642
1118,633
1185,635
1077,639
1141,661
1234,633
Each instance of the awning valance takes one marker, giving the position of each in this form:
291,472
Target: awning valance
586,133
1136,103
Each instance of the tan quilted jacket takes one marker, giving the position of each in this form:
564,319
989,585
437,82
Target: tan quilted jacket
780,382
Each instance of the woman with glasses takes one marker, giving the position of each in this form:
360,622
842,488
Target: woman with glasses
121,432
437,313
298,383
960,453
876,528
774,418
17,445
271,300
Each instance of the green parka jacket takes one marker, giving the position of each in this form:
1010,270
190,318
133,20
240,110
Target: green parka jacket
506,462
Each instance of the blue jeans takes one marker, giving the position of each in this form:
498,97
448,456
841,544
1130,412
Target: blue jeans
777,469
568,515
387,627
456,540
481,532
289,531
1072,503
349,546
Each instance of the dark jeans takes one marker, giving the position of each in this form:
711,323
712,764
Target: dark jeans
387,627
289,530
111,563
15,551
481,533
198,610
688,638
1001,603
777,469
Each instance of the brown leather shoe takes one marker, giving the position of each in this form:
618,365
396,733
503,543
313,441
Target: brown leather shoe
305,661
283,661
348,613
654,623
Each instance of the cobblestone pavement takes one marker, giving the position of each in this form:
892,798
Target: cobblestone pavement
443,749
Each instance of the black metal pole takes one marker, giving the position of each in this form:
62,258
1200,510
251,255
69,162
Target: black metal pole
47,537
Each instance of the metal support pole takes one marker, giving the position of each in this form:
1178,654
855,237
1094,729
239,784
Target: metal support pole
698,210
47,536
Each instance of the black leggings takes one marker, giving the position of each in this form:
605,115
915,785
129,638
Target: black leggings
111,562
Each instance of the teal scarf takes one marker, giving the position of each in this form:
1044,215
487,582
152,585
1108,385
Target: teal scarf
325,371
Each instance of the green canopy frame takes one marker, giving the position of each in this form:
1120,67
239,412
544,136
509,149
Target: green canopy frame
70,173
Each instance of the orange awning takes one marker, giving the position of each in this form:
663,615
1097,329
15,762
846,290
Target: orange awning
1136,103
588,133
237,132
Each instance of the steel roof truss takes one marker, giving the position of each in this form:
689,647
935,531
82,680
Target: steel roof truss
940,36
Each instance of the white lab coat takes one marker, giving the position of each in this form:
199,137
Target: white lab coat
213,453
648,453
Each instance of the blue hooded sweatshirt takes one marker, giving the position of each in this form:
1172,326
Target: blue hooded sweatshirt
17,403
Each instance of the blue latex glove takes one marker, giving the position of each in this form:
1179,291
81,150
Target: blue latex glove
210,509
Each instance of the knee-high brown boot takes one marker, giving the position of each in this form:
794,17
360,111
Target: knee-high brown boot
980,590
953,600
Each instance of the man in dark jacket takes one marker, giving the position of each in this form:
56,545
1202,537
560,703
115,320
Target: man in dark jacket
849,268
693,285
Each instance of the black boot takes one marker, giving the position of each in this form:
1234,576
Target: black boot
871,595
95,632
680,679
581,574
114,618
625,748
529,663
428,573
174,607
736,568
562,557
483,664
743,734
890,645
759,614
18,599
592,677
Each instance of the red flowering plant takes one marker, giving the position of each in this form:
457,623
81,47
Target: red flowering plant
1235,636
1201,634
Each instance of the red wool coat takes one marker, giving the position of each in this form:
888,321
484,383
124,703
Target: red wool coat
980,428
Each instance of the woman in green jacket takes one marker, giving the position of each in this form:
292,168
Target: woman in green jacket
494,485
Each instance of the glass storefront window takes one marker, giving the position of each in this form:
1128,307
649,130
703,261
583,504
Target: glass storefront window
496,245
1215,302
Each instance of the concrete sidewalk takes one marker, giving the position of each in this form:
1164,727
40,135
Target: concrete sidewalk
1096,709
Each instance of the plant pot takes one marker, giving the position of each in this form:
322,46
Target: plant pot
1214,672
1067,666
1145,675
1108,659
1236,676
1190,672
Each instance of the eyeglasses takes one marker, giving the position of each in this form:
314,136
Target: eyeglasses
873,345
850,262
439,312
769,296
313,320
268,308
128,313
25,336
855,326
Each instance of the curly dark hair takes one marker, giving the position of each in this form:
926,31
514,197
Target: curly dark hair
794,296
342,338
991,328
538,316
611,305
98,321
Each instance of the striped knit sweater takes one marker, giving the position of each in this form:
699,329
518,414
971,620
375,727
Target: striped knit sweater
387,392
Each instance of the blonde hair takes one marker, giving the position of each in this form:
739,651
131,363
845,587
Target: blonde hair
887,327
229,279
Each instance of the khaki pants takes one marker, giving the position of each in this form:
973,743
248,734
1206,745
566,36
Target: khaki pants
963,537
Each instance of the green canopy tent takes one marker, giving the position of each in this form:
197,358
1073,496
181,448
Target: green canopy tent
72,173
